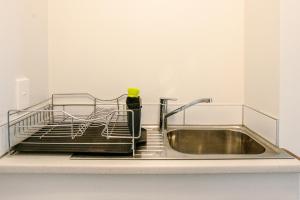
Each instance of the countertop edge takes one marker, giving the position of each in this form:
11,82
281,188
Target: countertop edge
152,169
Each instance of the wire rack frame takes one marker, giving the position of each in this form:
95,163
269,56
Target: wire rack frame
53,119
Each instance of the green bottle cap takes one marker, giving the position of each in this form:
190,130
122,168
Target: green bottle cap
133,92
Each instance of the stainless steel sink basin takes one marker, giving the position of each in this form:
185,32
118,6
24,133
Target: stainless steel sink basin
213,142
218,142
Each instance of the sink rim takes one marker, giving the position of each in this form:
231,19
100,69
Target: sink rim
271,151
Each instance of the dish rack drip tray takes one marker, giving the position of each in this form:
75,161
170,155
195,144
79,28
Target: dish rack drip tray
90,142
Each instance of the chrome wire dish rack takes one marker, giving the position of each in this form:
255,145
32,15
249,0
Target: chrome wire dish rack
74,122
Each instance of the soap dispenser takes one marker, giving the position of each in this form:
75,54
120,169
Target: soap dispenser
134,106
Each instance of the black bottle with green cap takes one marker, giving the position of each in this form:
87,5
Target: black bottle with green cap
134,104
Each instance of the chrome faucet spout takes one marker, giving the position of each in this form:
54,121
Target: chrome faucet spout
184,107
164,114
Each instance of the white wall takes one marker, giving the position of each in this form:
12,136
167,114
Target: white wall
228,50
262,21
23,53
23,50
290,75
178,48
272,60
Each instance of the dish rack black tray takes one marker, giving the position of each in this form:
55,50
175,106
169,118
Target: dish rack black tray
90,142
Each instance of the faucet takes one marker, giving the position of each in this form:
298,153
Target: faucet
163,116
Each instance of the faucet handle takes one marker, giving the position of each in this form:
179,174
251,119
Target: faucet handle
167,99
164,100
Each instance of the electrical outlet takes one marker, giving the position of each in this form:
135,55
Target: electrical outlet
22,92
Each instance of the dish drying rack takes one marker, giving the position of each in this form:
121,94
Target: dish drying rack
67,120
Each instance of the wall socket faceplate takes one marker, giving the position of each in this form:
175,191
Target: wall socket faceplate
22,93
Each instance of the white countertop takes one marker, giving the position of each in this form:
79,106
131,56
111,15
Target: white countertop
62,164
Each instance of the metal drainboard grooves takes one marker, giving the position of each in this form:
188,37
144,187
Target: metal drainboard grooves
155,145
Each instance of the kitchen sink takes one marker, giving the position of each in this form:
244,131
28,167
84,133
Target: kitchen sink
202,143
213,142
218,142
